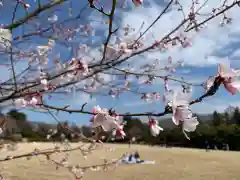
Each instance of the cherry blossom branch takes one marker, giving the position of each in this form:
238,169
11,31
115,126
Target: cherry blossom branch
166,111
166,39
34,13
212,91
11,49
153,75
213,16
104,68
77,169
17,75
155,21
36,87
112,63
110,31
92,5
39,32
46,152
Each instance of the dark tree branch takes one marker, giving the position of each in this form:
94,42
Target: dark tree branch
34,14
212,91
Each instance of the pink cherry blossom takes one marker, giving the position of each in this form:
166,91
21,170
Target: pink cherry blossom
20,103
179,102
180,113
103,119
112,53
230,78
107,122
28,101
26,6
189,125
116,116
77,68
33,101
154,127
137,3
98,110
123,48
119,133
180,106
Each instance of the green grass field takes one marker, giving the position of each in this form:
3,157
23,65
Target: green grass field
171,164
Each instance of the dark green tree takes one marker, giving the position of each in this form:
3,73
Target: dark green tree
217,119
25,127
236,116
17,115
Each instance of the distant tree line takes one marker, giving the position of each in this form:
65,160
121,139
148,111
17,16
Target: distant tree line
214,131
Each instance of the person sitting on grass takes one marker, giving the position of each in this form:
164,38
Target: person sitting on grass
137,157
130,157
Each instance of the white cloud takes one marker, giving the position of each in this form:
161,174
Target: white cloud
236,54
204,43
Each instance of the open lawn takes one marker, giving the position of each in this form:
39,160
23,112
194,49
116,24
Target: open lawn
171,164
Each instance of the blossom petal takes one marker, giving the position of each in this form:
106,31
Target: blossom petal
182,98
155,130
137,3
225,71
111,52
190,124
236,84
98,120
180,114
230,88
175,119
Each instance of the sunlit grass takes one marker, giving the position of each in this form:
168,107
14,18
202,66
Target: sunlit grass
171,164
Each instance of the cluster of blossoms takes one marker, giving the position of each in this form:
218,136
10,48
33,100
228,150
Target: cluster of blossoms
154,127
151,96
108,121
181,113
76,68
177,101
31,100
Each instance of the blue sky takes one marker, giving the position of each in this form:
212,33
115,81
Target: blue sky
209,47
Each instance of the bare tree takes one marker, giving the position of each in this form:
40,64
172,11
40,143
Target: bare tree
43,37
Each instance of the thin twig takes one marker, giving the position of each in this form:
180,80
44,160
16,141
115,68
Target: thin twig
34,13
110,31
